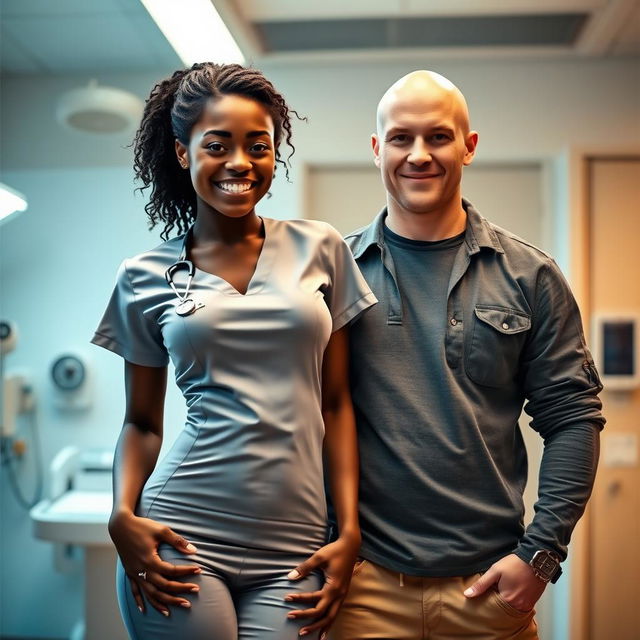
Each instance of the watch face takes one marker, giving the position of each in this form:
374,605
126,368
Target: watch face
545,563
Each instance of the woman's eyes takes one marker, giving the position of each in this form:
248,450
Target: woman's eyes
218,147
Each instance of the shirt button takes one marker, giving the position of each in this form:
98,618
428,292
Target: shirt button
505,325
453,322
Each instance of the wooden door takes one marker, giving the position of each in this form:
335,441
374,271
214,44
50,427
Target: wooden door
614,550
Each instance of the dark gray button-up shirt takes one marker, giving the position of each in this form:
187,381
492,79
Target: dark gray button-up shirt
441,486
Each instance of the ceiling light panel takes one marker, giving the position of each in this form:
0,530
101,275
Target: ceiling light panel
195,30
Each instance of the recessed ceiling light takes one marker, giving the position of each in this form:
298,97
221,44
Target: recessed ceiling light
97,109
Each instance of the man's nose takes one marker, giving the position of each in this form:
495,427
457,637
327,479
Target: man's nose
420,153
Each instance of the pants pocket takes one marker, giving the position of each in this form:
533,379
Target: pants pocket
358,566
510,609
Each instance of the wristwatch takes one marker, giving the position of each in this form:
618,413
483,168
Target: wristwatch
545,564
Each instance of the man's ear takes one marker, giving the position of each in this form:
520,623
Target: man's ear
183,154
470,142
375,145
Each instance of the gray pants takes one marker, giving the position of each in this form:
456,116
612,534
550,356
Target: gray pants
241,597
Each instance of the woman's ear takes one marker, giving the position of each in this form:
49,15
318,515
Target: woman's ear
182,152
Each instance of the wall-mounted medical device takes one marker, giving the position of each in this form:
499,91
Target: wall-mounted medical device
8,337
70,377
17,392
616,343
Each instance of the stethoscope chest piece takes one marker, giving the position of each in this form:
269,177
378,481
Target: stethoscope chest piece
186,307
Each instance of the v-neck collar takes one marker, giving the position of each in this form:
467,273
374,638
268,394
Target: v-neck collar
259,276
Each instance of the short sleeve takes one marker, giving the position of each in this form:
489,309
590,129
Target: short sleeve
348,293
125,330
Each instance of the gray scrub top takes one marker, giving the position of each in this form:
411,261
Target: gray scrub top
247,468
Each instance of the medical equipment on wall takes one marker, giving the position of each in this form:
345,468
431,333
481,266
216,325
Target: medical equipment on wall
17,394
71,382
17,398
616,349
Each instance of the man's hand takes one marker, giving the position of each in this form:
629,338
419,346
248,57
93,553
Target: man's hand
515,582
336,560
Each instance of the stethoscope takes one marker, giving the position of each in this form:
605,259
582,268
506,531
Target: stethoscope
185,305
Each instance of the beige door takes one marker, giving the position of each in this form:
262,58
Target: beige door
614,576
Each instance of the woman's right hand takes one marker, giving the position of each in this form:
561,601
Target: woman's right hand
137,540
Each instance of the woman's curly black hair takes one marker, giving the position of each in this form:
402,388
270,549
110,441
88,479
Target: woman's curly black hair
173,107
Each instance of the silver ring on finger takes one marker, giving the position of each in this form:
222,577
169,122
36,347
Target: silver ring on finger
142,574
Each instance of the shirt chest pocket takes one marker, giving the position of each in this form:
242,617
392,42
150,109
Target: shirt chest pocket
493,352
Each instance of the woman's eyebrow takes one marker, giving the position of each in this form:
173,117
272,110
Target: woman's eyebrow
217,132
256,134
227,134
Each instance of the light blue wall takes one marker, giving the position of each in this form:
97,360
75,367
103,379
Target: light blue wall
58,264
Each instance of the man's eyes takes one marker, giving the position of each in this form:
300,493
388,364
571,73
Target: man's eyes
403,138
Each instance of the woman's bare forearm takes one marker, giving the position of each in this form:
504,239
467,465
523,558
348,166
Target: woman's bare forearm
140,440
341,454
135,458
340,441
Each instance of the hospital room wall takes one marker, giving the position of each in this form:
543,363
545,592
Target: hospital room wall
58,260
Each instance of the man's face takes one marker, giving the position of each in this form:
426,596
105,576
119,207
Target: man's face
420,148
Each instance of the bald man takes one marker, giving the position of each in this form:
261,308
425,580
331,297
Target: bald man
472,322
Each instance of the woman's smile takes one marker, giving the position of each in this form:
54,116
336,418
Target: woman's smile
235,187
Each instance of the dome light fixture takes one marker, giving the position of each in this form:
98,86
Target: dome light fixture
101,110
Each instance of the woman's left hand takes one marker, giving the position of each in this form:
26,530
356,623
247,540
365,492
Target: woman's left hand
336,561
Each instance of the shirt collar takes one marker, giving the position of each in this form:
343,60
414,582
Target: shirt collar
478,234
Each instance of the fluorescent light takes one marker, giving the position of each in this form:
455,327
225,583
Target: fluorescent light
195,30
12,203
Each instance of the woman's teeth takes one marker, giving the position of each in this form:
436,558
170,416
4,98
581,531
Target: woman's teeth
234,187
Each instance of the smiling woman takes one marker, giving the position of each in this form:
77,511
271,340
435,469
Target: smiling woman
230,154
191,97
252,312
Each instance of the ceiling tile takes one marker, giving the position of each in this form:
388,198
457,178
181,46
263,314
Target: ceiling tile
627,41
82,43
15,59
42,8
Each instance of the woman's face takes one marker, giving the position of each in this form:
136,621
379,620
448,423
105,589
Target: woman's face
231,155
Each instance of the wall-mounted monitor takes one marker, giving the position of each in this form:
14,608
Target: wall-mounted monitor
617,349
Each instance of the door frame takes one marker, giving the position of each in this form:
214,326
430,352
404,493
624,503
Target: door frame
576,163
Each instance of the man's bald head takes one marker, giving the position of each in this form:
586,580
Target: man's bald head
422,89
422,144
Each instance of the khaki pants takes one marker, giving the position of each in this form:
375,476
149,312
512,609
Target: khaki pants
386,604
